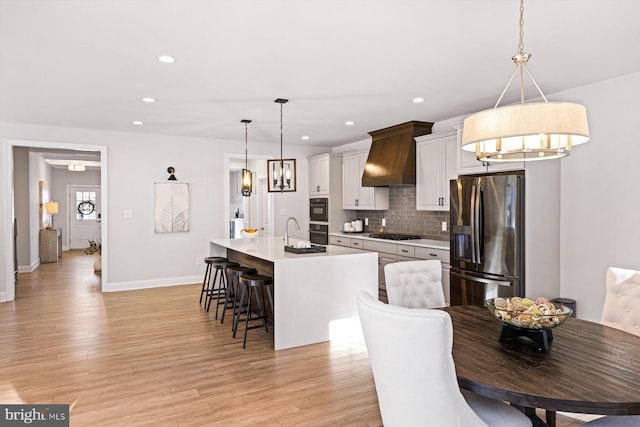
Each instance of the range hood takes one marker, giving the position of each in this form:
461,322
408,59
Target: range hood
392,157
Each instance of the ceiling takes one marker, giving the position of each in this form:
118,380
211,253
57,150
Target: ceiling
89,63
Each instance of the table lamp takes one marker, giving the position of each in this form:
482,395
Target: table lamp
52,209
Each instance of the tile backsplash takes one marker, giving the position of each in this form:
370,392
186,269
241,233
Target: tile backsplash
402,216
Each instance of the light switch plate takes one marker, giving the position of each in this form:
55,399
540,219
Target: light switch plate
444,225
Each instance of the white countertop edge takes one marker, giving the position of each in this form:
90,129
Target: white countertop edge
426,243
272,249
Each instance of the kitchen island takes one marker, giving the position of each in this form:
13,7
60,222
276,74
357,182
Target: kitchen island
314,294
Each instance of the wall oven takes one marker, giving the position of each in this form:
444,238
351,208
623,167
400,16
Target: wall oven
319,209
319,234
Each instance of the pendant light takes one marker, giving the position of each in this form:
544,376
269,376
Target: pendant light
247,186
282,173
525,131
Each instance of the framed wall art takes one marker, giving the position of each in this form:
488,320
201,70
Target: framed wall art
281,181
171,208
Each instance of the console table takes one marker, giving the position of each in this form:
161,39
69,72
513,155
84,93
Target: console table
50,244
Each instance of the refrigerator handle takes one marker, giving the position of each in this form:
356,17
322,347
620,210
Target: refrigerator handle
480,279
473,224
476,237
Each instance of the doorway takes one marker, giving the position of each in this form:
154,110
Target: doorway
85,215
259,207
7,202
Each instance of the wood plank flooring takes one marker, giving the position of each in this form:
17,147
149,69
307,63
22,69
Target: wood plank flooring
154,357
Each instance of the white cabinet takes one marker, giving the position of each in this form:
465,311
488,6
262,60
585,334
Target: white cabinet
469,164
319,175
354,195
435,166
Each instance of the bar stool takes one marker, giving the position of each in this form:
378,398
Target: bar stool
231,300
251,284
207,274
221,289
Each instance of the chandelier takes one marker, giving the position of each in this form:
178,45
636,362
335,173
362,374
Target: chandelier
525,131
282,171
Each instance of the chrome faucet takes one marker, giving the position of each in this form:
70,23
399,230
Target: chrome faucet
286,229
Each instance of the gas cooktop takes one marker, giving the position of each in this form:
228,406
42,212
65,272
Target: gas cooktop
395,236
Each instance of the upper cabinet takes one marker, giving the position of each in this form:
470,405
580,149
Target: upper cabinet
354,195
324,174
319,175
435,165
469,164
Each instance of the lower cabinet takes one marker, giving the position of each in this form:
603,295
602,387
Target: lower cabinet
394,252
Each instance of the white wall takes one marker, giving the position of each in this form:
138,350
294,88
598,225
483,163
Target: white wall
600,219
138,257
21,208
39,170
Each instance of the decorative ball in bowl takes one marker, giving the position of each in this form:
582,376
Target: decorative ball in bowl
249,233
526,313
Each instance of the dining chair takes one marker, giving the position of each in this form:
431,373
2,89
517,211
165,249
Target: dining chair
415,284
414,372
620,311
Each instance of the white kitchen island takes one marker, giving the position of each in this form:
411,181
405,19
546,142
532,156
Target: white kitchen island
314,294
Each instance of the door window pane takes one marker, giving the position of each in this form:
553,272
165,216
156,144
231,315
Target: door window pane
86,206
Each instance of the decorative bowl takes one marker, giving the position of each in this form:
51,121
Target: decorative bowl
528,314
249,233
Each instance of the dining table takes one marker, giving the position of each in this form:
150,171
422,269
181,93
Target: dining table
589,368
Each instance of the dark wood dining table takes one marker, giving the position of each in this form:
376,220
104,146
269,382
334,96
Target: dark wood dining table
589,368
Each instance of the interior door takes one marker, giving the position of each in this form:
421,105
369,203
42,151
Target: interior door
84,216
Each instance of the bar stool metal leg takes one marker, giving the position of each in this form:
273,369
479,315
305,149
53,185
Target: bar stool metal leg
206,282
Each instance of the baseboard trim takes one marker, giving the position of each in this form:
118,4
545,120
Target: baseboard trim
153,283
29,268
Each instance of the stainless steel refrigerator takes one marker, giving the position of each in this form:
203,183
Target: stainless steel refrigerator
487,237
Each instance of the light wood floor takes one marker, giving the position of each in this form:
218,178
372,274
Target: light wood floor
154,357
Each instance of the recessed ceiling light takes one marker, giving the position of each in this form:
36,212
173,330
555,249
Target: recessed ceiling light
138,123
418,100
167,59
148,99
305,137
349,123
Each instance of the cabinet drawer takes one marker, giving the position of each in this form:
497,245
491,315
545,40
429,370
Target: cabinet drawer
406,251
432,253
384,247
339,241
356,243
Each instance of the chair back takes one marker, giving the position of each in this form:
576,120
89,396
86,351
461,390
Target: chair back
413,369
621,308
415,284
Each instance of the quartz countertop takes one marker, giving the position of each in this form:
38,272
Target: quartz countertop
427,243
272,248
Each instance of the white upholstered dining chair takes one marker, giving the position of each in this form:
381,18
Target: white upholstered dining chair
620,311
414,372
415,284
621,308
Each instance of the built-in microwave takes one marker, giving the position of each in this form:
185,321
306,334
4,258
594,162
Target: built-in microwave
319,209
